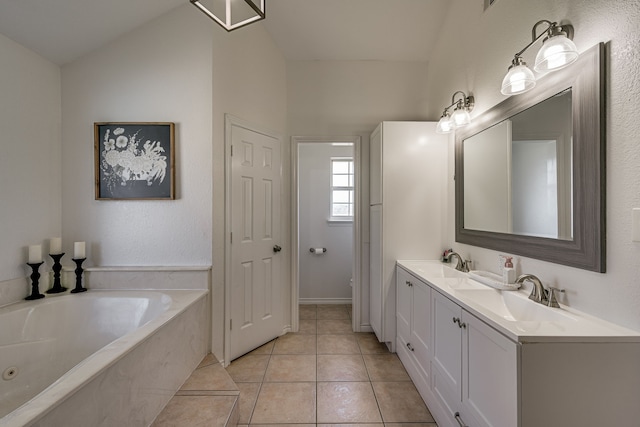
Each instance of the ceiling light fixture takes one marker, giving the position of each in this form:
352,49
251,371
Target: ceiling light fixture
557,51
232,14
459,117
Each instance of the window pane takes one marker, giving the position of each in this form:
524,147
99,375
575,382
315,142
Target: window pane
341,181
341,210
340,166
340,196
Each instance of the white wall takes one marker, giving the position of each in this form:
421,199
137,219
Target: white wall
159,72
30,194
476,60
326,276
345,98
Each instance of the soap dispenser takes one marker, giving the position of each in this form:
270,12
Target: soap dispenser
509,273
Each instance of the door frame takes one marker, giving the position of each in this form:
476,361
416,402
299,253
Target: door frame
229,122
356,298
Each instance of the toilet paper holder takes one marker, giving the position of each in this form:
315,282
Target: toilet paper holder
317,250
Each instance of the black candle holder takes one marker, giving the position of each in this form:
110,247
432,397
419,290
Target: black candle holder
35,278
57,268
78,271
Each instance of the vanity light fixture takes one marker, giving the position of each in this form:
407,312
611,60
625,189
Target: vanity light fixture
459,117
557,51
232,14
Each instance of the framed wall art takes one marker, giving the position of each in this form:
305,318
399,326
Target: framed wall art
134,161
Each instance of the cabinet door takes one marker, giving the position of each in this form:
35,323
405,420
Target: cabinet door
447,343
375,270
420,336
375,166
404,283
489,372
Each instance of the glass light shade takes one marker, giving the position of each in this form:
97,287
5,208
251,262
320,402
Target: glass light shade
519,79
445,125
556,52
460,117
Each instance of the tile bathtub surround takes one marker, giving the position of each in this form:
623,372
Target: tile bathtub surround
326,374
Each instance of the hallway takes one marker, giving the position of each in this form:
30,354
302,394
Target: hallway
326,374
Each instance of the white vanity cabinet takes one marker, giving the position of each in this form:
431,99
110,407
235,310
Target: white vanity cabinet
413,340
475,372
476,368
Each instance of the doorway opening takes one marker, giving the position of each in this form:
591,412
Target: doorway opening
326,224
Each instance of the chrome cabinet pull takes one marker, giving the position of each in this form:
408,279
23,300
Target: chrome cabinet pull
456,320
408,283
459,420
410,347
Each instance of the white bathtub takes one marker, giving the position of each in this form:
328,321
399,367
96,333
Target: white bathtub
99,358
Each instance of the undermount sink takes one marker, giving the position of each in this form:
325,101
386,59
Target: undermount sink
514,306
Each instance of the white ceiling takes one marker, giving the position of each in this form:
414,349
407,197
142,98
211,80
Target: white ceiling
395,30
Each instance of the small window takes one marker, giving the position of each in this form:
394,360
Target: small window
342,193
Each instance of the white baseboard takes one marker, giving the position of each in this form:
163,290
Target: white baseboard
324,300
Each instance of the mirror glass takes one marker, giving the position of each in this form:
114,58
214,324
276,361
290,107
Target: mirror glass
530,172
517,173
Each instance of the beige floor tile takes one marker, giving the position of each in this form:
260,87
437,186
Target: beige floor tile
338,344
433,424
347,402
291,368
369,344
264,349
335,326
209,377
385,367
307,326
248,397
400,402
285,403
336,311
209,359
341,367
355,425
307,311
196,411
295,344
249,368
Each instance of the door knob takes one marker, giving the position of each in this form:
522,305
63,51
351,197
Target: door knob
276,248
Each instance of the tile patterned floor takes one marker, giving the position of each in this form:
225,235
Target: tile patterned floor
326,374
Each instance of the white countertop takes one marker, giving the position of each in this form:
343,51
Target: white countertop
562,324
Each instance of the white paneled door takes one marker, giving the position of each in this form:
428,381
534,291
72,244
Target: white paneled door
255,259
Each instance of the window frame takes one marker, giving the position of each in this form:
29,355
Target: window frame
349,188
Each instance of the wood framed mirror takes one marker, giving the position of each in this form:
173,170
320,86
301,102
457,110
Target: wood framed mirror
530,172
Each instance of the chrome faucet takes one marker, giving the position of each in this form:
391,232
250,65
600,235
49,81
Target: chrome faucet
539,294
461,265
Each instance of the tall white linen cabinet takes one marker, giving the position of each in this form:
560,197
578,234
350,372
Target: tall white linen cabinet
408,195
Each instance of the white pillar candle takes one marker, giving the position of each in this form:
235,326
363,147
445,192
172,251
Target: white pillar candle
35,254
55,246
79,250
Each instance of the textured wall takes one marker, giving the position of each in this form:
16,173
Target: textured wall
474,55
30,167
160,72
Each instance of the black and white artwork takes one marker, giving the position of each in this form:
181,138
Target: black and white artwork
134,160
